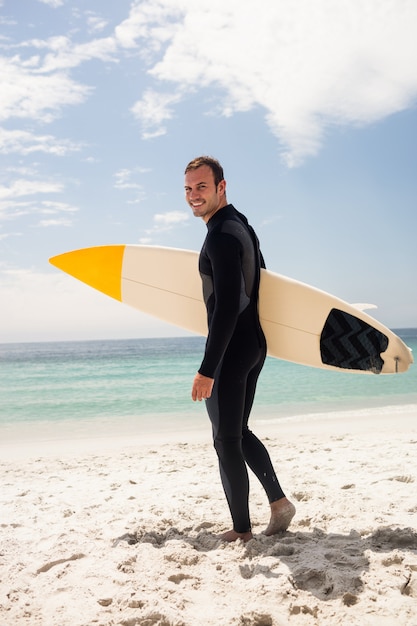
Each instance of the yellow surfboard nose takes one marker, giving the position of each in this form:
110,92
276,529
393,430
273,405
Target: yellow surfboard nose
99,267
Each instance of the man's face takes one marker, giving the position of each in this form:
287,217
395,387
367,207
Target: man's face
201,192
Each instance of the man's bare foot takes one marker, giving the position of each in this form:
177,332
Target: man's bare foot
232,535
282,512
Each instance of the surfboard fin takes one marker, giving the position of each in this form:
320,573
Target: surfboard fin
363,306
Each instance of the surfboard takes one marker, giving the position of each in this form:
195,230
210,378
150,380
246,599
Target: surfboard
301,323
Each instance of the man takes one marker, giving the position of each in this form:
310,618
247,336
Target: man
229,264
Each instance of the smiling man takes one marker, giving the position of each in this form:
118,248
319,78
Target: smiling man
229,264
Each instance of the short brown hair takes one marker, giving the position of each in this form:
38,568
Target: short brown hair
212,163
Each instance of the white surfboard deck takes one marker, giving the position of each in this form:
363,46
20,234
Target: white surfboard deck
302,324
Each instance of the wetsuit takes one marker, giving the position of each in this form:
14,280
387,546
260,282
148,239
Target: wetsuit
229,264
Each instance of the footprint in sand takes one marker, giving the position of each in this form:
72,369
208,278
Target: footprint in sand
403,479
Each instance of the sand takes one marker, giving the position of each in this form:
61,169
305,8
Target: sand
110,528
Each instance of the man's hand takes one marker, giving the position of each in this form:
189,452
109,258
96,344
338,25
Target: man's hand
202,387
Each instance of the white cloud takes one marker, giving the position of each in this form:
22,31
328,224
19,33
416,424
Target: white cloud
62,221
36,84
156,21
95,22
8,235
307,64
170,219
13,208
57,222
53,3
164,222
153,110
124,180
270,220
25,142
48,207
25,94
65,55
24,187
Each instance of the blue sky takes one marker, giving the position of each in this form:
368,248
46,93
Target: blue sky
309,105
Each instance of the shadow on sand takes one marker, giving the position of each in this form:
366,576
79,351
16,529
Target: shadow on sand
326,565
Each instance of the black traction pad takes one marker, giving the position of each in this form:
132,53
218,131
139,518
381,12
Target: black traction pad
350,343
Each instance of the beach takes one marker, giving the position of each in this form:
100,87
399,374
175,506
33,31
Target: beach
118,526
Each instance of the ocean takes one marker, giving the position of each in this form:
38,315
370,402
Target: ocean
149,381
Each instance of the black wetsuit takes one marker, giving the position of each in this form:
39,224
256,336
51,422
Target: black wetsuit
230,262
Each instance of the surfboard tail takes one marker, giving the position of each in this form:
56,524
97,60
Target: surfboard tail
99,267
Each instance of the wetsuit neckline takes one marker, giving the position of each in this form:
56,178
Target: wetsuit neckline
229,209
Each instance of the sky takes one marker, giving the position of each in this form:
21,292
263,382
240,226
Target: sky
309,105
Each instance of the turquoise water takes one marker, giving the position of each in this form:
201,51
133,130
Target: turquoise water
145,378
